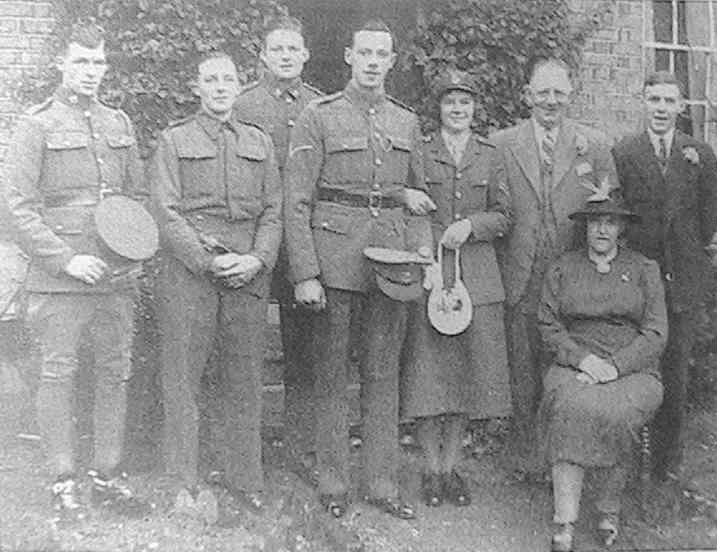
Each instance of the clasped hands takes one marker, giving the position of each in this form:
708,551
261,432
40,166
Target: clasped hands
594,369
235,269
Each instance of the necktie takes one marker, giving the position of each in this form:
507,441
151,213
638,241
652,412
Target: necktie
662,153
548,147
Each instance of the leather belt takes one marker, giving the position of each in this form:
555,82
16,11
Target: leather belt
374,200
82,197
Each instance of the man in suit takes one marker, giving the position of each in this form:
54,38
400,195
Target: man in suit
274,103
551,163
670,180
354,164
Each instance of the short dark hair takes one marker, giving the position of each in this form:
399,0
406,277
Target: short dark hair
374,25
282,23
86,33
663,77
541,62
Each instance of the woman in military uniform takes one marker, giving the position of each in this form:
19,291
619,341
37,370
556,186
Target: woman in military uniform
447,380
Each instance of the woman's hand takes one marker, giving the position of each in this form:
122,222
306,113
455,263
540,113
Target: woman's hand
457,234
598,368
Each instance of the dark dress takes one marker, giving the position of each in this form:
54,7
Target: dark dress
467,373
620,316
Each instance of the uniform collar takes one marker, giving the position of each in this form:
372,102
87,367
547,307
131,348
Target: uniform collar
364,99
68,97
213,126
280,87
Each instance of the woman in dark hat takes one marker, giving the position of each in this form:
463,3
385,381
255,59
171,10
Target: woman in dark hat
447,380
603,319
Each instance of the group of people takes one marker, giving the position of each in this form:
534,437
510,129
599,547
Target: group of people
575,260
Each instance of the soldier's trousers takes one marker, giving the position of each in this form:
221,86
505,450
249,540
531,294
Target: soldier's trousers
670,418
295,326
61,320
384,330
195,314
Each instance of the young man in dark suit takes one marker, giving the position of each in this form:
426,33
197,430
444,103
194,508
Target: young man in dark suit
670,180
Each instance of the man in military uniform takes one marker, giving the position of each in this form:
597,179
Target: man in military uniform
67,155
216,192
274,103
354,164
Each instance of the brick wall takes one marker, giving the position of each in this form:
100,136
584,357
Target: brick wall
23,28
611,74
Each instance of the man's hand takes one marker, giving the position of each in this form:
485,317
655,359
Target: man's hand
237,269
598,368
418,201
310,294
457,234
86,268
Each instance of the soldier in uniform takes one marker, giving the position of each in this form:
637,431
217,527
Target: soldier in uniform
354,164
274,103
217,196
67,155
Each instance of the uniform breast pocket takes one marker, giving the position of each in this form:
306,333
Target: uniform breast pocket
119,147
478,193
246,182
401,148
344,156
198,170
69,161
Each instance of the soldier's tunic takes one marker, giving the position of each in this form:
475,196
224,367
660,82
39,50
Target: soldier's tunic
275,106
66,155
214,183
351,156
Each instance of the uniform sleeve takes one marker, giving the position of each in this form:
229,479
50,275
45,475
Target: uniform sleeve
644,352
495,221
136,176
24,202
556,337
268,229
177,236
416,170
303,167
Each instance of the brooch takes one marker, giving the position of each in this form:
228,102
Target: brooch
625,277
691,155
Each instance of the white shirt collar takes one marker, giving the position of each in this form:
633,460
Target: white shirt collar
655,140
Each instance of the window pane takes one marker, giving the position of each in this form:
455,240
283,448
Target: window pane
662,20
697,23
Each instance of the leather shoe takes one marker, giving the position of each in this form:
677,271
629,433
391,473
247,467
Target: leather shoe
392,506
456,489
432,487
608,529
563,538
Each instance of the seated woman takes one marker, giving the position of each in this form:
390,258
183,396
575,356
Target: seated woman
446,380
603,318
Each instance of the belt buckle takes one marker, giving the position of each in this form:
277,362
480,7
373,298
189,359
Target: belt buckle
374,202
106,192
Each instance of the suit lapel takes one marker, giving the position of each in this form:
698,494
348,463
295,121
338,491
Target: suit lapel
565,153
676,177
525,151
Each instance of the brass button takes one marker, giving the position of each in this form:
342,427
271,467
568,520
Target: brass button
289,99
378,162
58,227
324,225
371,111
100,160
86,113
376,186
458,195
457,216
484,182
459,174
96,136
290,123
